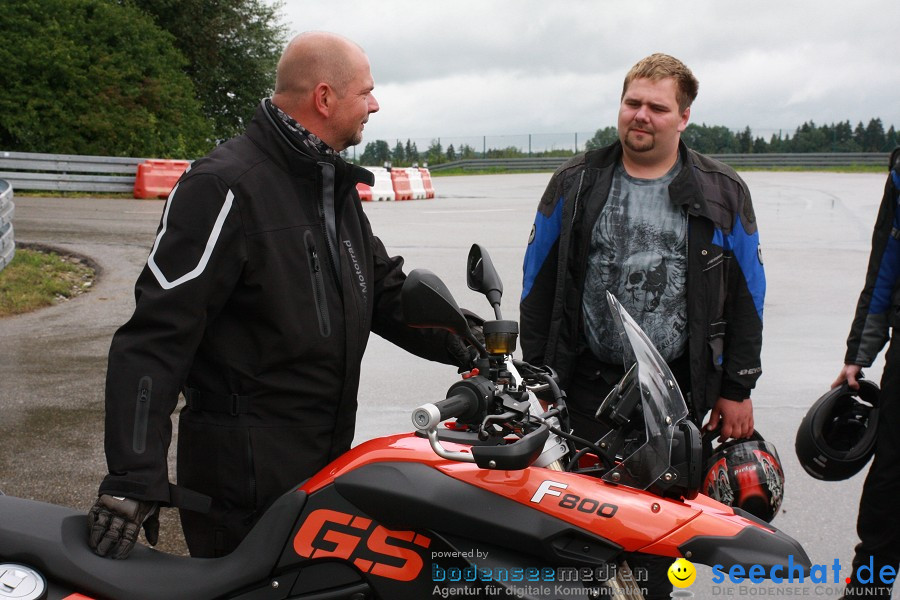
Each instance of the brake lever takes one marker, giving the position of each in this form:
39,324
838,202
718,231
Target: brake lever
498,419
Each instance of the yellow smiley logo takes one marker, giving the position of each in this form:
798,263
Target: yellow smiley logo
682,573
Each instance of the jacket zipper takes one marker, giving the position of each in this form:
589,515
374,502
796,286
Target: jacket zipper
561,276
318,285
330,241
575,205
142,415
251,469
331,257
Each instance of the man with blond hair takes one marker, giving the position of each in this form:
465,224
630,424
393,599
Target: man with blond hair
256,303
672,234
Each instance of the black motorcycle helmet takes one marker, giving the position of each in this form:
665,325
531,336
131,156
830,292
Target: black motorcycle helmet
837,436
745,474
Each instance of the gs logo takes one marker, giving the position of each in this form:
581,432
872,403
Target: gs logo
330,533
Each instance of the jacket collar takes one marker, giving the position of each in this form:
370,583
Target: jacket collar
684,189
271,136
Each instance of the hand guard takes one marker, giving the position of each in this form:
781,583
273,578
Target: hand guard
114,523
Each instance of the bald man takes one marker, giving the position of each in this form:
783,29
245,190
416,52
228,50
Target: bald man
256,304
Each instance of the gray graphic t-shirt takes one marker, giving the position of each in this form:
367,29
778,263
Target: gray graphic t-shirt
638,251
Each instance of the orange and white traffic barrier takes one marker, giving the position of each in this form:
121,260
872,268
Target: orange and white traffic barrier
383,189
416,183
364,191
156,177
402,187
426,181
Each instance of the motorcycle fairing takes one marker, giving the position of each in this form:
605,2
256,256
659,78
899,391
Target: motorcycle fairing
426,499
53,539
633,523
673,528
440,520
750,547
395,563
707,540
615,512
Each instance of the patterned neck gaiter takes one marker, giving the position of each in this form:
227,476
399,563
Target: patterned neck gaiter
300,133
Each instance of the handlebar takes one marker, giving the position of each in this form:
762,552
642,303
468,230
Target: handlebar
428,416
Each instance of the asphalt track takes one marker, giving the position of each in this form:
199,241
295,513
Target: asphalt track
815,230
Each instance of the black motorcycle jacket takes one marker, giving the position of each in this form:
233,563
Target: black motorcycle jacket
725,282
879,301
257,302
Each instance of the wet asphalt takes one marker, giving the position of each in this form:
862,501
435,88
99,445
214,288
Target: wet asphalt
815,230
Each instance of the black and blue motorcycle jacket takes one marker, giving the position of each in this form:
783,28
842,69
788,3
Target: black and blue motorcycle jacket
879,301
726,282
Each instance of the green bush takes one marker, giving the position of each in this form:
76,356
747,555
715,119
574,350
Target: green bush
94,77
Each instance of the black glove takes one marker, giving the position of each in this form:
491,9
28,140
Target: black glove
462,352
114,523
476,325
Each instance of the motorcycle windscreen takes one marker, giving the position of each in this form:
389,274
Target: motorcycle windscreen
662,402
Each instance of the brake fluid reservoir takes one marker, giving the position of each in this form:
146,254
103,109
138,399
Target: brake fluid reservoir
21,583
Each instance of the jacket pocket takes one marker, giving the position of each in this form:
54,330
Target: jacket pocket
318,284
711,262
716,342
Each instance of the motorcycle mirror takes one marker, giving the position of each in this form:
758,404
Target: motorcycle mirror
428,303
481,276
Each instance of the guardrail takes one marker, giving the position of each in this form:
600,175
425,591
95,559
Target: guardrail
7,208
542,163
808,160
70,172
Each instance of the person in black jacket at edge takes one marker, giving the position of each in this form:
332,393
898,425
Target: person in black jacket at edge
877,311
672,234
256,303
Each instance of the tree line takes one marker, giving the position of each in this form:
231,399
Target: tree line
708,139
161,78
808,137
379,153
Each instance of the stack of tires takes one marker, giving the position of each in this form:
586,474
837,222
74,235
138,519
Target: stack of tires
7,243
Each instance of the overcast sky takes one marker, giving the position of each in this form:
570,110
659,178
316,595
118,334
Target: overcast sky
484,67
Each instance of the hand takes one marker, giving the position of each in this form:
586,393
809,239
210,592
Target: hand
115,521
476,325
735,419
463,354
459,348
850,374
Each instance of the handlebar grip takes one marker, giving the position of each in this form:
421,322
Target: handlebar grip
429,415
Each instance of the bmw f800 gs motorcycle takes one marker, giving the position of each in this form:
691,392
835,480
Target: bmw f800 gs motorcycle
502,501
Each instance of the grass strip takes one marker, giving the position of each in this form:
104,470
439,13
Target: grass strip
37,278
